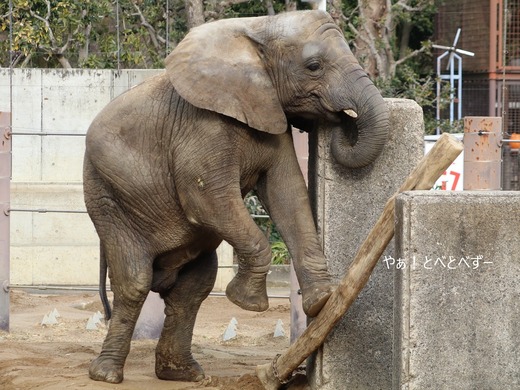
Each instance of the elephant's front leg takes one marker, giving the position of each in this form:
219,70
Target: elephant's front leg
248,289
225,215
173,357
284,193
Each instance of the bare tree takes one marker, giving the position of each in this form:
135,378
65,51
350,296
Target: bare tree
290,5
194,12
270,7
156,38
56,50
372,45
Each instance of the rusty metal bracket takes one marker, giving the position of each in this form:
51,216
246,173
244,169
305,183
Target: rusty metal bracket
499,140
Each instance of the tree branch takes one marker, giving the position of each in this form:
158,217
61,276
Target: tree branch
411,55
219,8
194,13
225,4
84,49
290,5
46,22
404,4
389,21
370,41
151,31
17,56
55,49
26,61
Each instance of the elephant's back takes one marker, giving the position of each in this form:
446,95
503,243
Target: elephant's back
150,113
132,105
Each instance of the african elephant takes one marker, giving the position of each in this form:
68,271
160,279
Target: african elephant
168,163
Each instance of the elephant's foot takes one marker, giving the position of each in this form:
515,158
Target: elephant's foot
248,291
314,297
106,370
186,371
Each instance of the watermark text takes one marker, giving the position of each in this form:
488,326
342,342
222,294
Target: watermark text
437,262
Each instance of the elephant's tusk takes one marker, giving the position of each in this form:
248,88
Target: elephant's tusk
351,113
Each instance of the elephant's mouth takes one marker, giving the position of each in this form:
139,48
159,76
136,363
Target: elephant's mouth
341,119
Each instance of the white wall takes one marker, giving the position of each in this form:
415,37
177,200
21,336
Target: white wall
58,248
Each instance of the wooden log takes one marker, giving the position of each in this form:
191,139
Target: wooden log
423,177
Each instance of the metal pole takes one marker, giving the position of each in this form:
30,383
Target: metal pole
5,190
167,28
43,211
438,106
44,134
5,178
459,89
504,59
117,38
452,87
11,54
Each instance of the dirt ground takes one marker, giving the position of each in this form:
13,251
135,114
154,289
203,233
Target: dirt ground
57,356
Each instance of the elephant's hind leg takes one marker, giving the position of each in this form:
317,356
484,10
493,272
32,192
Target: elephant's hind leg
174,360
131,278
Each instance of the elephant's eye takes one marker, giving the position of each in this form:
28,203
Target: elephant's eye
314,66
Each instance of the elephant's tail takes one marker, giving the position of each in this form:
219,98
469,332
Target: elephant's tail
103,283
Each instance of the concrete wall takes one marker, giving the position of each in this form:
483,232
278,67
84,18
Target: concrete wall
358,353
441,309
52,248
457,298
59,101
58,248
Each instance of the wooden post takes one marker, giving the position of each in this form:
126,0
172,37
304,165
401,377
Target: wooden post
423,177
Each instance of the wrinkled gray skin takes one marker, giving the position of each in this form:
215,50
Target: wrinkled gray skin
167,165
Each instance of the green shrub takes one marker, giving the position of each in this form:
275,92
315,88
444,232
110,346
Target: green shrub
280,253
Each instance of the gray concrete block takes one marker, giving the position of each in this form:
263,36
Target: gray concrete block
457,309
347,203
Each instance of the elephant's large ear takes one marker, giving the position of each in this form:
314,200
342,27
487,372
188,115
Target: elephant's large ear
218,67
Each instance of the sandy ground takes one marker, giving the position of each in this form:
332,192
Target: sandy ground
57,356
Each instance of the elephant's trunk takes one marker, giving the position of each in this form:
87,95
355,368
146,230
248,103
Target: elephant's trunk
358,142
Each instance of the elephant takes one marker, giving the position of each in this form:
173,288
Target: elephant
168,163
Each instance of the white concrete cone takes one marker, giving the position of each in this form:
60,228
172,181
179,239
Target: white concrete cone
49,319
91,324
278,330
231,330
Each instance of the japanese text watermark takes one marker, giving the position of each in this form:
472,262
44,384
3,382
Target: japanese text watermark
440,262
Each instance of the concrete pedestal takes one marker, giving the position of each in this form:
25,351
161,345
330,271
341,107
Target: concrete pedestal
358,353
457,296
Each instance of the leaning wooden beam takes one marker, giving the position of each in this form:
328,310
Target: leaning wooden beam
423,177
